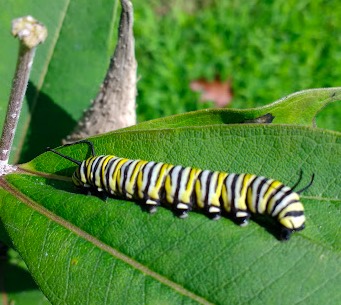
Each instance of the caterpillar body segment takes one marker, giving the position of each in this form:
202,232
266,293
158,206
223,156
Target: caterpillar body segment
186,188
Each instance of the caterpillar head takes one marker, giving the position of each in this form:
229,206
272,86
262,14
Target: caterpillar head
291,219
292,216
76,177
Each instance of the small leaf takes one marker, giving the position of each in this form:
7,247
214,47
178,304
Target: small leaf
298,108
18,287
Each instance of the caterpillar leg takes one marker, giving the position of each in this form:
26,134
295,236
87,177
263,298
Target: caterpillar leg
94,192
285,234
151,206
181,210
214,212
242,218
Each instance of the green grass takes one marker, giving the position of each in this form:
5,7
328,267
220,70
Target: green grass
268,48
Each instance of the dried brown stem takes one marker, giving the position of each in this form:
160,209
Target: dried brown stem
114,107
30,33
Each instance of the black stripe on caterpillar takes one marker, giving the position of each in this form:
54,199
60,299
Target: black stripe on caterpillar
187,188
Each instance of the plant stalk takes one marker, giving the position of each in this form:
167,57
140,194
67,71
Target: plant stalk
30,33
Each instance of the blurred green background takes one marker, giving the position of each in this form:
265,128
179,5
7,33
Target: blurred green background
267,48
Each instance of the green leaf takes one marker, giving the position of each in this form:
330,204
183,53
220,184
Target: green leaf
18,287
68,68
81,249
298,108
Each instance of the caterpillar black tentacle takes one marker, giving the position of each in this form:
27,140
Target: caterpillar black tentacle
186,188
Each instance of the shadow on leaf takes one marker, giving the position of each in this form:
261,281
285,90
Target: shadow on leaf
49,124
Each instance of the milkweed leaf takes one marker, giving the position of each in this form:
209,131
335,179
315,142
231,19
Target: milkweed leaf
92,251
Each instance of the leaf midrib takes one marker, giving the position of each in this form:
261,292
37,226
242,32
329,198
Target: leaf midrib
99,244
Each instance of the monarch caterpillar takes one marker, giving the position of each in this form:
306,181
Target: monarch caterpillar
185,188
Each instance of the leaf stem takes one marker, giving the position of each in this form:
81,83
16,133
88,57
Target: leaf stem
30,33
